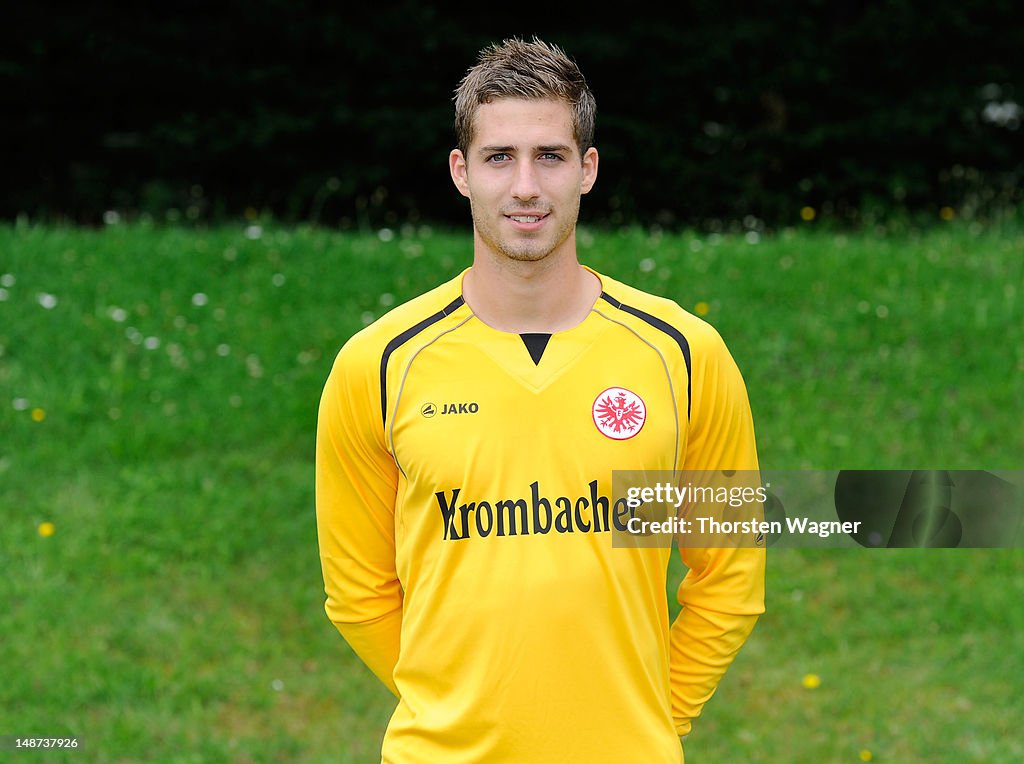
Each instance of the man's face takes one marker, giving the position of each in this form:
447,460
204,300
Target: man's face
524,176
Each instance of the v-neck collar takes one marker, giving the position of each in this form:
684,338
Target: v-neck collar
535,343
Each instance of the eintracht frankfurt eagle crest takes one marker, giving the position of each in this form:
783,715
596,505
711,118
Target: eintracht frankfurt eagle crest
619,413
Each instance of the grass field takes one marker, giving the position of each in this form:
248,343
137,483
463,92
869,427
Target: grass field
161,594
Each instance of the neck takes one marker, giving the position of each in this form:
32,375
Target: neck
549,295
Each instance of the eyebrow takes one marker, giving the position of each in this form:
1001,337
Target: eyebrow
558,147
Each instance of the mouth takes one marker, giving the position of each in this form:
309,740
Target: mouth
527,221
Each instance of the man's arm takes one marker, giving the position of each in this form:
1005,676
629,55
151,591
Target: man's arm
356,485
723,592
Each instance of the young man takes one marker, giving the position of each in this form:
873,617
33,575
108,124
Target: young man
465,449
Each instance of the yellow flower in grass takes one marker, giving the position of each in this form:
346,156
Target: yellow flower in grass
46,529
807,214
811,681
38,415
865,755
702,308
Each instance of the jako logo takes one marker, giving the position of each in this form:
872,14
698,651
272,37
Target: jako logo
428,410
459,408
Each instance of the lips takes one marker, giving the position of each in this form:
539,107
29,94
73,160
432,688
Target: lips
527,221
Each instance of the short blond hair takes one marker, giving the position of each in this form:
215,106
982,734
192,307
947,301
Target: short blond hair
532,70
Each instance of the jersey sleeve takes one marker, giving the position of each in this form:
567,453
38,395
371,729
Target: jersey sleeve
722,595
356,484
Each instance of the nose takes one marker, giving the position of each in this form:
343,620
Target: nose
525,184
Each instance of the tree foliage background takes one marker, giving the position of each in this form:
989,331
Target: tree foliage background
325,112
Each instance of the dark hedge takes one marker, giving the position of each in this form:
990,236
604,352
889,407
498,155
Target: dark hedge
717,110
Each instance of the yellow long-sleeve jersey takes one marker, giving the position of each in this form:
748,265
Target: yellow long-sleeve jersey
464,515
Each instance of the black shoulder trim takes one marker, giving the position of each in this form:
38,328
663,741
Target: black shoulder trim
670,330
400,340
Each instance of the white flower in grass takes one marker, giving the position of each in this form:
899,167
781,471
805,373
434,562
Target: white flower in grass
253,366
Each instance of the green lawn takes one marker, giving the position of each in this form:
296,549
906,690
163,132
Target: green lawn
158,391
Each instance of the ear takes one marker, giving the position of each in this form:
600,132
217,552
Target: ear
589,170
460,173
